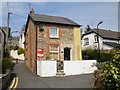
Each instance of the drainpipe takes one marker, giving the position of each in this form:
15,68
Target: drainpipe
36,50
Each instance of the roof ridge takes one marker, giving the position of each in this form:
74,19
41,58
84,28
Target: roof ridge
49,15
104,30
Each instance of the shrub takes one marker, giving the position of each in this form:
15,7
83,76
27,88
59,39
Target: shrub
6,64
20,51
99,76
93,55
106,56
109,75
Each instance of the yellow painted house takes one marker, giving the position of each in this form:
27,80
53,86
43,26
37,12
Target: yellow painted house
77,44
51,38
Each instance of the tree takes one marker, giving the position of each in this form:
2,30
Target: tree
88,29
20,51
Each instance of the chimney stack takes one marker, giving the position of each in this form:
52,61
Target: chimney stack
32,12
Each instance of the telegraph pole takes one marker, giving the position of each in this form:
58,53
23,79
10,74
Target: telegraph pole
8,25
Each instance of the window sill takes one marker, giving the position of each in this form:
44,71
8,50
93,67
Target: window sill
95,42
85,44
54,38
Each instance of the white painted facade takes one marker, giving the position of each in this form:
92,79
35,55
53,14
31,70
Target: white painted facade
73,67
21,41
93,45
2,37
15,55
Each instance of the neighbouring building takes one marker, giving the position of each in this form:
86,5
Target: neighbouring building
22,39
6,30
51,37
2,43
13,41
107,39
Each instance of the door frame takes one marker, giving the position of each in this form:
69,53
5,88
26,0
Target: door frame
70,52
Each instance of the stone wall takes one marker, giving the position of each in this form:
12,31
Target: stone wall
41,38
65,40
30,47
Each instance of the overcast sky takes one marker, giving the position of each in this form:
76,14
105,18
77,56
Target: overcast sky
83,13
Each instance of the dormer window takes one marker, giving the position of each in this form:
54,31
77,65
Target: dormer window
54,32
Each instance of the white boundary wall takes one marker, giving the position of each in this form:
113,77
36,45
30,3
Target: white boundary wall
75,67
79,67
46,68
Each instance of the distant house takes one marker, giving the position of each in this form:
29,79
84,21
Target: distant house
22,39
2,43
13,41
107,39
51,37
7,34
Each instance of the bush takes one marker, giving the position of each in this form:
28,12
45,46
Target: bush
109,75
106,57
6,64
93,55
20,51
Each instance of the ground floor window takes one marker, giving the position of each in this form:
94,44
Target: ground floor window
54,52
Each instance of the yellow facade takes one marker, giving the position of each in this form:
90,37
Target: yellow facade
77,44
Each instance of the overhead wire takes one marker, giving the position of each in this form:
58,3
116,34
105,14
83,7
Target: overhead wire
19,15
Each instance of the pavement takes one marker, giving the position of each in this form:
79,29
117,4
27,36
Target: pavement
27,79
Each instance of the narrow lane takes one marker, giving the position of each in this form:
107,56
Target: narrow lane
29,80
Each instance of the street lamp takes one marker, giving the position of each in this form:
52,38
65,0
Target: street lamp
98,39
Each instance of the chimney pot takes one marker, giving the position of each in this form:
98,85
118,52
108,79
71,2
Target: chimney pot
32,12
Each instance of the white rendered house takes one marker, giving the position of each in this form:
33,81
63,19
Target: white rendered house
22,40
107,39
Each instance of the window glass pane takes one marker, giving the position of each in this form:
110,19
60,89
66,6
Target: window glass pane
53,56
53,47
86,41
53,32
54,51
95,37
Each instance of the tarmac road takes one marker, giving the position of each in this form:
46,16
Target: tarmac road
26,79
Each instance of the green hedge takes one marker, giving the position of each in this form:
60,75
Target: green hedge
20,51
93,55
6,64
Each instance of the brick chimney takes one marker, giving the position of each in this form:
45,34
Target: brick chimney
32,12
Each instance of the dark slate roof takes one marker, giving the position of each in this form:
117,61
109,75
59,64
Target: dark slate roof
53,19
112,44
15,38
105,33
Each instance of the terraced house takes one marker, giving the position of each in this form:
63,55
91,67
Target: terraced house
51,38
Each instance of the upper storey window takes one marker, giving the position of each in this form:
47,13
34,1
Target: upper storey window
54,33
